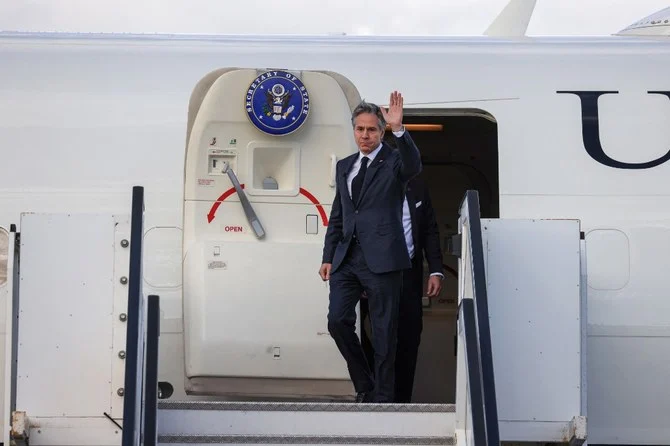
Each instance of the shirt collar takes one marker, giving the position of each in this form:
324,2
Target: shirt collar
371,156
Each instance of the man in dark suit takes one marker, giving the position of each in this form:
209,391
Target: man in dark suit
365,249
423,240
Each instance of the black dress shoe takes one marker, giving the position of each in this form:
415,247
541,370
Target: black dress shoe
363,397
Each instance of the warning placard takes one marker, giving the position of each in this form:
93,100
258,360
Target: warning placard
217,264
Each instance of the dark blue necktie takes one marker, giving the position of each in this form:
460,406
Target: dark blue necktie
357,182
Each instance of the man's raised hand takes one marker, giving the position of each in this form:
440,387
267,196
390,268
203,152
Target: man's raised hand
393,114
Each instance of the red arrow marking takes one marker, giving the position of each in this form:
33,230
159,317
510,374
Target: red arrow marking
231,191
218,202
313,199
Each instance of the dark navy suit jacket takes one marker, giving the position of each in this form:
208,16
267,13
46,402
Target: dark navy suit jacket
377,217
425,232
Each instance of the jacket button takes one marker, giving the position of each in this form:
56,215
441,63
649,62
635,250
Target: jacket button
356,212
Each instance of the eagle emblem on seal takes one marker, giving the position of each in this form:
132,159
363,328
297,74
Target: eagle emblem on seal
277,102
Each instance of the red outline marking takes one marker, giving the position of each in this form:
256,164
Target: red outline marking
215,206
231,191
313,199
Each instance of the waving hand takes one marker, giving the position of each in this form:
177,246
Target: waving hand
393,115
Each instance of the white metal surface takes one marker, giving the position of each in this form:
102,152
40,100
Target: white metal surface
463,417
557,431
608,262
584,315
638,409
278,419
65,315
74,431
240,292
102,86
628,332
162,257
236,324
463,422
120,299
4,256
300,440
533,271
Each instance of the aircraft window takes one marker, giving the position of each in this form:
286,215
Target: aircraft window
4,254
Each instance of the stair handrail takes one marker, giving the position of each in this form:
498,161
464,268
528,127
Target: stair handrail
135,330
476,320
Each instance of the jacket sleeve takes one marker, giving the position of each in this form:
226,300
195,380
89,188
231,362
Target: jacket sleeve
430,232
410,158
334,231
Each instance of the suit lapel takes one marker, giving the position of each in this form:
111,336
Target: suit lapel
373,169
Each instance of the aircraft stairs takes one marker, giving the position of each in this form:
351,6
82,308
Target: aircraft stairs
472,421
304,423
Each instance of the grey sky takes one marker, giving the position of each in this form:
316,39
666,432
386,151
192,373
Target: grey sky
381,17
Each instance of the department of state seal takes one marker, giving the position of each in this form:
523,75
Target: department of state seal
277,103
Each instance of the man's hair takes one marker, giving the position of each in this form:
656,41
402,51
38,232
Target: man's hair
368,107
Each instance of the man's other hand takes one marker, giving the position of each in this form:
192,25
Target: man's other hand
324,271
434,286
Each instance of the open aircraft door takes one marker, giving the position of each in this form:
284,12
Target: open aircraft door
521,330
259,184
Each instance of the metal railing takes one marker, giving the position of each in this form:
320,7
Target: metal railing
141,371
474,317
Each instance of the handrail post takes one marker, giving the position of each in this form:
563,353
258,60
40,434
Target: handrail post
134,336
151,371
480,298
475,313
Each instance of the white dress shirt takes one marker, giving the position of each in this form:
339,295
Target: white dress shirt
357,165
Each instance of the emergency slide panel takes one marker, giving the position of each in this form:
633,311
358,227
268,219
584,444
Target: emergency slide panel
259,185
533,275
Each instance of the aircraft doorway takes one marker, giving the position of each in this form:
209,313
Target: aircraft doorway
243,340
459,150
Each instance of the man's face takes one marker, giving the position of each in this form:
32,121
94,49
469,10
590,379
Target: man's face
366,132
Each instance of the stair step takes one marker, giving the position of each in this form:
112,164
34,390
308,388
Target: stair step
265,406
205,422
332,440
